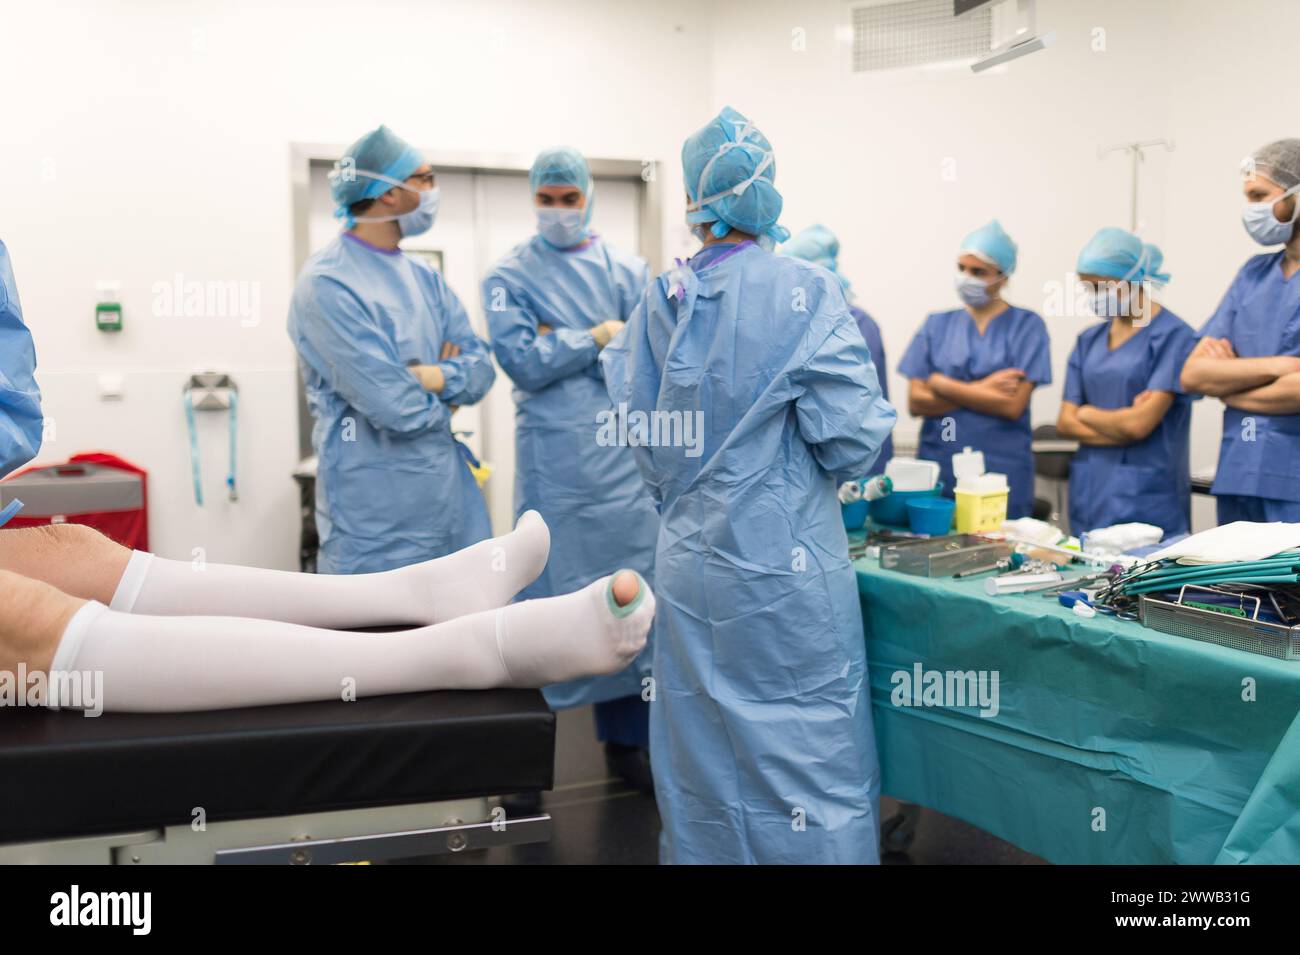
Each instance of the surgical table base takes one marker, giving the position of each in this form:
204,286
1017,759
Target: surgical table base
373,780
359,835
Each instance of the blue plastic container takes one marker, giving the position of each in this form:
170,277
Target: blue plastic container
892,508
930,515
855,515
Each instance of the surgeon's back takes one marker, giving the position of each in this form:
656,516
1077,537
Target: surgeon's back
743,346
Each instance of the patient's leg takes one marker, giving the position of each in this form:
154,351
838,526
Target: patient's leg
77,560
195,663
33,615
81,561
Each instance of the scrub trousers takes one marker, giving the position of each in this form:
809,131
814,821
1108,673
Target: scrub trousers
625,720
1259,510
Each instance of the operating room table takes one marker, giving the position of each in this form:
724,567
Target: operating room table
377,779
1111,743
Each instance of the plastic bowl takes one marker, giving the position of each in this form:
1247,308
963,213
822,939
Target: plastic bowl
892,508
855,515
930,515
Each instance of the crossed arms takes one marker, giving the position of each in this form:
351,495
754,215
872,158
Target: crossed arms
1003,394
1269,385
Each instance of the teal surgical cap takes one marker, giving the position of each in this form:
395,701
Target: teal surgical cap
730,173
381,151
1279,161
1117,254
560,166
564,166
818,245
992,244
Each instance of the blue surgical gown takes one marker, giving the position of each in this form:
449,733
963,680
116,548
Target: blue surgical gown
950,343
1260,458
393,486
21,420
1149,481
20,399
876,347
761,735
588,490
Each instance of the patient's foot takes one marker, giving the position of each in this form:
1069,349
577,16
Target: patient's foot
599,629
483,576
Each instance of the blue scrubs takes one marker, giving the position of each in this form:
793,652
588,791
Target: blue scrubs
21,421
950,343
1259,454
876,347
761,737
590,492
1149,481
393,486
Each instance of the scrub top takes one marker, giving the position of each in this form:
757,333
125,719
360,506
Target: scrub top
1260,315
1148,481
876,346
951,344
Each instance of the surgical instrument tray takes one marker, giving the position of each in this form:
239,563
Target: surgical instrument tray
942,556
1181,619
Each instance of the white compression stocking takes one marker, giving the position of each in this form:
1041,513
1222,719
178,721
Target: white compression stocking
480,577
160,664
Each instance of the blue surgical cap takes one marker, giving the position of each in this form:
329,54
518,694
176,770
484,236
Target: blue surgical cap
560,166
730,173
818,245
381,151
1118,254
992,244
564,166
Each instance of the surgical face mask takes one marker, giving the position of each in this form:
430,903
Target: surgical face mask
416,222
1263,226
974,292
420,219
701,230
562,228
1106,303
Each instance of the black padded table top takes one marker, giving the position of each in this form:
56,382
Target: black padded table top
65,774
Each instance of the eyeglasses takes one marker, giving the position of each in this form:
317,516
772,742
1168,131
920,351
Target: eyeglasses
425,178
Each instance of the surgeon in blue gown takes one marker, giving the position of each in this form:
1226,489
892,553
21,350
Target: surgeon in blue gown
1249,352
552,304
818,244
973,369
1123,402
387,354
21,421
760,733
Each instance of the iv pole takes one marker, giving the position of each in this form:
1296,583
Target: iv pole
1135,151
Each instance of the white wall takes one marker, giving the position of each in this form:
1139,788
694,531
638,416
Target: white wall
145,139
867,154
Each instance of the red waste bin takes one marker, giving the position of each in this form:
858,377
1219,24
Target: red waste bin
97,489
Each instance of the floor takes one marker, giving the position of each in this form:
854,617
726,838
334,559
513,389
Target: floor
601,821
